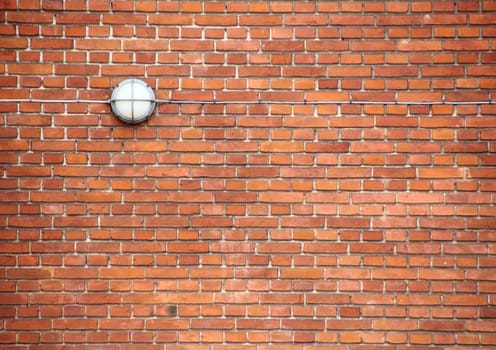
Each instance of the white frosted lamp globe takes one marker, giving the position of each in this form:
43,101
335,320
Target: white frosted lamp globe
132,101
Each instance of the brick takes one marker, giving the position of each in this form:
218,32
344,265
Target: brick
446,326
215,20
167,324
27,325
29,17
395,71
372,46
397,19
302,273
260,222
14,43
417,45
303,324
262,324
441,173
97,44
352,20
260,20
352,71
29,273
31,69
51,43
398,325
282,146
144,146
11,145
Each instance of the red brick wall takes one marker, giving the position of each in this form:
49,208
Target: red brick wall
260,226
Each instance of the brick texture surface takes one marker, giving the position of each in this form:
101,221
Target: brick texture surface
271,225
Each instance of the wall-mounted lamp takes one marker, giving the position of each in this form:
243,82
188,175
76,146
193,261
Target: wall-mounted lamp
133,101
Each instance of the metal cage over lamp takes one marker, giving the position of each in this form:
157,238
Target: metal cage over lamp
133,101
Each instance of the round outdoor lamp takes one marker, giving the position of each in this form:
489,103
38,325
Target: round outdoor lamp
132,101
